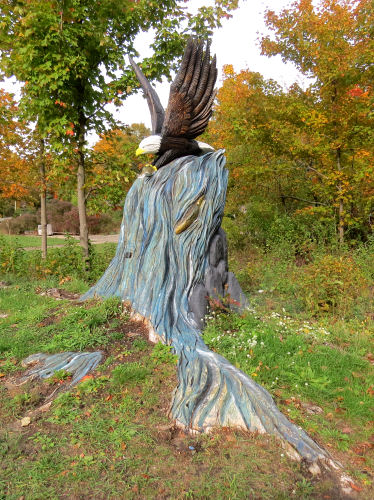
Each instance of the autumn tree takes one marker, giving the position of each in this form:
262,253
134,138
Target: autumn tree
260,126
112,167
332,44
70,54
17,179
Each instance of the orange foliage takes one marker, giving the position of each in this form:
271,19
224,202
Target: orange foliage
17,175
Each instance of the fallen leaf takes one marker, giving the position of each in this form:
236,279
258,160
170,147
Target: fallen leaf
340,410
2,375
87,377
354,487
25,421
370,357
347,430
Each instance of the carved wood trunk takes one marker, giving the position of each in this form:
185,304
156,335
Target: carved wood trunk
171,255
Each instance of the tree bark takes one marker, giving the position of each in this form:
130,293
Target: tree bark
43,198
81,179
170,255
341,202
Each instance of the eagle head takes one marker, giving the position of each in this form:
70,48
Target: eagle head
150,144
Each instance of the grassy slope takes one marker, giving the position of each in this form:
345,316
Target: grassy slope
110,437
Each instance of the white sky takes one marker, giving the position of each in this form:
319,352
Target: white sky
235,43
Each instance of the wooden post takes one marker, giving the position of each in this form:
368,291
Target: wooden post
43,197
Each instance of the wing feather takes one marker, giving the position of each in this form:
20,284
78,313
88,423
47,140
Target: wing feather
184,65
154,104
191,94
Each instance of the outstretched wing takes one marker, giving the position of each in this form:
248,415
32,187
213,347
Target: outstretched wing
191,93
154,104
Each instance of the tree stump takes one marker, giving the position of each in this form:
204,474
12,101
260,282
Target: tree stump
171,255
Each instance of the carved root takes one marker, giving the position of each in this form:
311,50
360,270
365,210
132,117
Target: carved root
213,393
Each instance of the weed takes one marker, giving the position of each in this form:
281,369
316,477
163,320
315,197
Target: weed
129,372
161,353
58,376
45,441
332,284
140,344
304,488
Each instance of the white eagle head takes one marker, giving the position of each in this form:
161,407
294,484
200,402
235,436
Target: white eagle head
150,144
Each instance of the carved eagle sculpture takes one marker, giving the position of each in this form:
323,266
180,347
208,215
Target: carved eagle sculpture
189,108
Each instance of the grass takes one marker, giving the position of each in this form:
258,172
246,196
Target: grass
110,437
30,241
299,358
323,382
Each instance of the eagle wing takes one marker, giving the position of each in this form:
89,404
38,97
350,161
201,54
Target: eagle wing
154,104
191,94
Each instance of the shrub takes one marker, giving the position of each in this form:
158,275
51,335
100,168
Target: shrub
12,257
332,284
20,224
64,218
63,262
57,215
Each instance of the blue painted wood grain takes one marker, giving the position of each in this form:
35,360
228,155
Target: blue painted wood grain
156,270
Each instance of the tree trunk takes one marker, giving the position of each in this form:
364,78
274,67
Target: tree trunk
43,198
341,202
81,179
170,256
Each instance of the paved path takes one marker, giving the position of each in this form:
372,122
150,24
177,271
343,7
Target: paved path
94,238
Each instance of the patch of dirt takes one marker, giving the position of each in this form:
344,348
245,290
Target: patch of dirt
54,316
58,293
42,392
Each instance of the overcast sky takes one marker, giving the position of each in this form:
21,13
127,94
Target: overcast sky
235,43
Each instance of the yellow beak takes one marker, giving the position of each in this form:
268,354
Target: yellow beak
139,151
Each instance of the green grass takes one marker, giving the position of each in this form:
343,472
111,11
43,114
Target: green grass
31,241
304,365
110,437
300,358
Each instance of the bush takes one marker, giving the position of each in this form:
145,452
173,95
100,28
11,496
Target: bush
332,284
63,262
64,218
12,257
57,215
20,224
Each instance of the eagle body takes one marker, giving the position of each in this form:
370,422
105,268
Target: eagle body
189,108
168,149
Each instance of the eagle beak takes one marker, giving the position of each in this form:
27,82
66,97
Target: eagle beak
139,151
